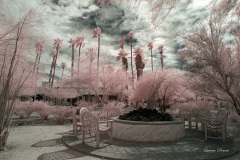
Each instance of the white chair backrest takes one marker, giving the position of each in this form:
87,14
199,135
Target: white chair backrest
83,109
89,122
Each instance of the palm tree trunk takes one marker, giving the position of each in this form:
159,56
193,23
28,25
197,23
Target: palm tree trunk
54,65
151,60
79,53
161,61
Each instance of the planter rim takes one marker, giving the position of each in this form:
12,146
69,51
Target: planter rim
175,121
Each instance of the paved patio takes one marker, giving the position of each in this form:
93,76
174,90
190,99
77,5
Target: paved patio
192,146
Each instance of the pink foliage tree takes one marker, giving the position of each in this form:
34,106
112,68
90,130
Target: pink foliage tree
72,43
121,42
214,64
122,55
97,34
160,50
57,45
139,61
79,44
158,88
16,38
130,37
63,66
150,47
113,82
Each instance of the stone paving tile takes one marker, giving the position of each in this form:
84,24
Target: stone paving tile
192,146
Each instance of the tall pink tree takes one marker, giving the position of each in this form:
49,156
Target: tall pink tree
39,49
150,47
213,64
139,61
53,54
113,82
160,50
121,42
130,37
122,55
16,41
97,34
63,66
158,88
79,44
72,46
57,44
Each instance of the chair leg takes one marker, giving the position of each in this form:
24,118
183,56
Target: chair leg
190,124
83,136
76,132
110,137
224,136
205,130
73,130
97,140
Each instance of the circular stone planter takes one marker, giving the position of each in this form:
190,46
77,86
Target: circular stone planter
148,131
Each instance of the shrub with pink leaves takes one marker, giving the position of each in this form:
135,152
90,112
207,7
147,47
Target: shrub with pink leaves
24,109
43,109
115,104
61,113
19,109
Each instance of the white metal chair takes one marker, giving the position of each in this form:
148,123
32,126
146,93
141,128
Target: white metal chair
198,116
215,126
77,124
90,124
185,114
194,117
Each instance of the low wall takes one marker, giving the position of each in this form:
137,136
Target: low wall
148,131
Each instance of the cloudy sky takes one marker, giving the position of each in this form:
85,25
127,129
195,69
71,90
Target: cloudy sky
66,19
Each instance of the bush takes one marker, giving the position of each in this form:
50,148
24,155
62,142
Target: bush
61,113
24,109
115,104
43,109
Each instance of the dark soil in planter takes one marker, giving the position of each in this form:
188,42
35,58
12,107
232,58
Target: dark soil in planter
145,114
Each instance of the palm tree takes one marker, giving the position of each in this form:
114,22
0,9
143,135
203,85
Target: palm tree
58,44
130,37
150,46
121,42
122,55
72,45
39,49
53,54
96,34
63,66
160,49
139,61
79,44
